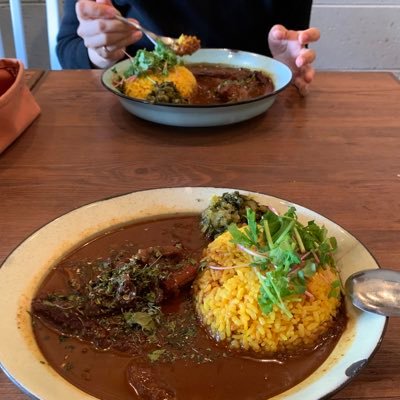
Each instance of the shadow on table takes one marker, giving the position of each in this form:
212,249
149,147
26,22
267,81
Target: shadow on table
149,131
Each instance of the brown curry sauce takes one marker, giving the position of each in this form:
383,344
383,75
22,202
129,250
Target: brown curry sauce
220,84
188,364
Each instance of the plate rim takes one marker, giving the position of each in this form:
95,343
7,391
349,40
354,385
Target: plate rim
202,106
265,196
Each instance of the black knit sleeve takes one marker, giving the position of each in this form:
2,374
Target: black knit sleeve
263,14
293,14
71,51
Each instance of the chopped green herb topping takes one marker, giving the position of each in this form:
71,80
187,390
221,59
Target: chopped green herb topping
166,92
226,209
158,61
335,289
284,254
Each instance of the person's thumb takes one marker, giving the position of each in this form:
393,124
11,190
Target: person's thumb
88,9
277,39
107,2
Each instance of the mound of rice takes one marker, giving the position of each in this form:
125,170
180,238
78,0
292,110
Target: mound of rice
227,303
141,87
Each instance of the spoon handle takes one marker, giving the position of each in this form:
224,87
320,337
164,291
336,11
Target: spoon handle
152,36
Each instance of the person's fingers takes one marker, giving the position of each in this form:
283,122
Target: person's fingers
113,46
102,26
310,35
109,54
278,32
102,58
102,39
303,79
306,56
110,39
88,9
302,86
108,2
308,73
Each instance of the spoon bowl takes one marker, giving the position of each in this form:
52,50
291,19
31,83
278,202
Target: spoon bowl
376,291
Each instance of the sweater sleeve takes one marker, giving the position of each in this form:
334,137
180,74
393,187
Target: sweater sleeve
293,14
71,50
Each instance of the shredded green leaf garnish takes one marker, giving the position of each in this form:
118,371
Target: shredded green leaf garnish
158,61
284,254
335,289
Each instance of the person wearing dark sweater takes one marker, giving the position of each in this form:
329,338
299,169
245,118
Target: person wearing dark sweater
90,36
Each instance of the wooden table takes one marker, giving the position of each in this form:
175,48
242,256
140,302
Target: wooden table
336,152
32,77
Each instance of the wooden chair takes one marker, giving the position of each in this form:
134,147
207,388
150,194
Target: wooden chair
53,16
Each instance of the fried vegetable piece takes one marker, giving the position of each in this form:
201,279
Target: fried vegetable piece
186,45
225,210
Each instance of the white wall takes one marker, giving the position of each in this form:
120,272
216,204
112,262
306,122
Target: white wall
356,34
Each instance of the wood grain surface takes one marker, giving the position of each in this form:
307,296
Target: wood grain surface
32,77
336,152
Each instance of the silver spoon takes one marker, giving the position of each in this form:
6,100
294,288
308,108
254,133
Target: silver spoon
375,290
168,41
184,45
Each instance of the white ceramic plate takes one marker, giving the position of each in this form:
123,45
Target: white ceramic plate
201,116
25,268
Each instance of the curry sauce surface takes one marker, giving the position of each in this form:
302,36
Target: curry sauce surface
224,375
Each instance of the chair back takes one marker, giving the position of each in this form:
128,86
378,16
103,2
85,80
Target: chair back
53,17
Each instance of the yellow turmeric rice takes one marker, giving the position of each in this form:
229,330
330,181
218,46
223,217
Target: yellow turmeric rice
227,303
141,87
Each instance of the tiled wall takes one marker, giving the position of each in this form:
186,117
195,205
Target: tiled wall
356,34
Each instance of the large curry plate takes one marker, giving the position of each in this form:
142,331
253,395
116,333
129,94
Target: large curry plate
25,268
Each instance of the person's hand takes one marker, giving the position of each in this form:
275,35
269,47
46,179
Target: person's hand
290,48
105,37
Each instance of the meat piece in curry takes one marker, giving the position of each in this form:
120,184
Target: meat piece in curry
220,84
108,298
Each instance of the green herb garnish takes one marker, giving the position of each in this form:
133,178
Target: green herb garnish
335,289
165,92
158,61
225,210
284,254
